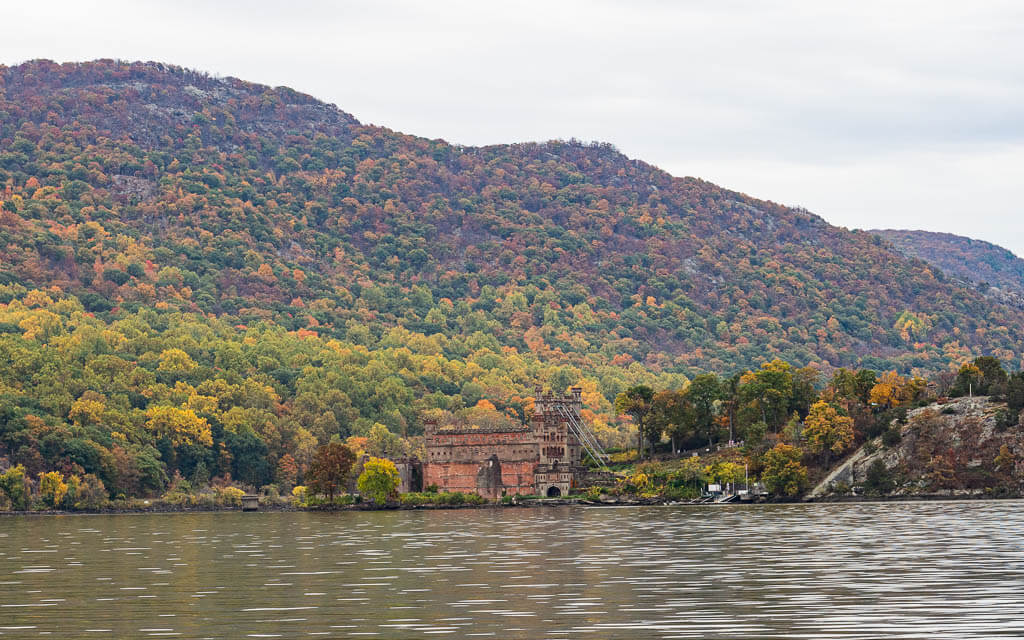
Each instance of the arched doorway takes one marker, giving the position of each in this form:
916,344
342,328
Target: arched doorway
554,492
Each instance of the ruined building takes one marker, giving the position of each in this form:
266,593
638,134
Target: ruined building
543,458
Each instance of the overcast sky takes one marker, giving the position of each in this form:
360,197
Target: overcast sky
872,115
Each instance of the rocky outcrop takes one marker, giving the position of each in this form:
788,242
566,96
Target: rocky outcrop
960,447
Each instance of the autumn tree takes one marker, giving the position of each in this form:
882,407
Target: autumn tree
893,390
13,485
379,480
330,468
52,488
984,376
725,472
636,402
180,426
783,472
827,432
287,472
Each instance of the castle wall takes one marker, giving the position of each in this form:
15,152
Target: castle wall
520,460
455,458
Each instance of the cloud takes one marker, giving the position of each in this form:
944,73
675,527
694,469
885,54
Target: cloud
904,113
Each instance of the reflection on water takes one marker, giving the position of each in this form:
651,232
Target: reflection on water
925,570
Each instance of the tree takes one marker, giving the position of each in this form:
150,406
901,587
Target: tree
381,442
52,488
730,394
1006,461
330,468
379,480
985,376
783,472
249,462
702,393
287,472
180,426
12,483
723,472
636,402
769,391
826,431
672,413
878,480
1015,396
91,493
805,390
890,391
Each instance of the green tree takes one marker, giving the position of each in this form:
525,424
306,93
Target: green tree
636,402
330,468
702,393
672,413
768,392
379,480
381,442
783,473
878,480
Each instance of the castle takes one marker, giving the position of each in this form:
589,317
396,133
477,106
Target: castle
543,458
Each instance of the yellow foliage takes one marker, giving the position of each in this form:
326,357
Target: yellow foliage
176,361
181,426
52,488
826,430
891,390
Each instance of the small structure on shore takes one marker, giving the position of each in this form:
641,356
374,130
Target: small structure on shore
250,502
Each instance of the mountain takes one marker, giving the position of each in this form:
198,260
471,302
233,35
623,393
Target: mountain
207,277
995,270
135,185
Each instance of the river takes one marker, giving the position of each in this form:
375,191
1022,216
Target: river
886,570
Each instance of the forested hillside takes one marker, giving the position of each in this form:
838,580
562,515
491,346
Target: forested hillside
976,261
196,269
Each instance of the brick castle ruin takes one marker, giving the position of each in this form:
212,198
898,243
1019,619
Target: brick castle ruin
543,458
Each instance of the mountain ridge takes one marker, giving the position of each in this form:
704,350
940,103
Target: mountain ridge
995,270
258,201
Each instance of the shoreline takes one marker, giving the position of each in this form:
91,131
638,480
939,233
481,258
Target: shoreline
540,503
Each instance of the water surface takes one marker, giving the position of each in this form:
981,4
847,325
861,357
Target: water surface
913,570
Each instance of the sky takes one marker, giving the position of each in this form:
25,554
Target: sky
872,114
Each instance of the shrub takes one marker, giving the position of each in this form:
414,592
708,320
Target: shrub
91,493
230,496
680,493
892,437
878,480
1005,419
415,499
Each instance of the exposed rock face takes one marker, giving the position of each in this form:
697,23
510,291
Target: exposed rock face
944,449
